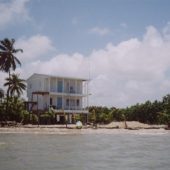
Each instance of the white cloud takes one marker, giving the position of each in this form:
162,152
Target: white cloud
2,79
34,47
123,74
13,11
166,31
100,31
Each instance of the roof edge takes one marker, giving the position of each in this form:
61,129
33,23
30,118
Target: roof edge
38,74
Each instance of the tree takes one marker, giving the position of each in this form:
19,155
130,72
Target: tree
8,60
15,85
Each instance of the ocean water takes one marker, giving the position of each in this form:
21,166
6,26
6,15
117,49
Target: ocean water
85,152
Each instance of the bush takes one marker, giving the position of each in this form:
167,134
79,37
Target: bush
33,118
45,119
163,118
29,117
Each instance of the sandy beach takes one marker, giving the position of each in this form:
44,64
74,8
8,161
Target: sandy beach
112,128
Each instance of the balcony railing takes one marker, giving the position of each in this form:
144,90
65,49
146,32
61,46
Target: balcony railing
65,91
67,107
72,108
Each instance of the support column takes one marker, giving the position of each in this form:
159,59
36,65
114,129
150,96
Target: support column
69,94
63,95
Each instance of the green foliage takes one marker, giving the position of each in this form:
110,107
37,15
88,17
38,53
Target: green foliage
15,85
118,114
15,110
8,60
105,117
47,117
163,118
11,107
25,117
157,112
92,116
2,111
28,117
77,117
33,118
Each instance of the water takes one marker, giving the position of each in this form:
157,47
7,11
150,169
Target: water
84,152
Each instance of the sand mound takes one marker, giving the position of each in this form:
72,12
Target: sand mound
130,124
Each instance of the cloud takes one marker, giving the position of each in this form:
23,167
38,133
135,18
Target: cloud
2,79
34,47
12,11
166,31
99,31
123,74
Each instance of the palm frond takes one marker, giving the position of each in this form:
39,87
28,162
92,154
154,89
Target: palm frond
7,59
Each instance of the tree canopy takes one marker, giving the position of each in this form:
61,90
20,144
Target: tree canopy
15,85
8,60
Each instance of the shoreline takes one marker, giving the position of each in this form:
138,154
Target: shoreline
112,128
65,131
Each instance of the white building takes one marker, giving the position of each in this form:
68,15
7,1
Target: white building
64,94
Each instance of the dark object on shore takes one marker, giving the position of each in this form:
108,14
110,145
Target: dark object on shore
94,125
168,126
8,123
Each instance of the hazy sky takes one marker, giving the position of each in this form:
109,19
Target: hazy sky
124,45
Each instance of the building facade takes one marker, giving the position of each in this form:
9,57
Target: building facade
63,94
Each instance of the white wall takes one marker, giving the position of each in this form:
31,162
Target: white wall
43,83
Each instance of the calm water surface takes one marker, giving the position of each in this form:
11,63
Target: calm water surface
84,152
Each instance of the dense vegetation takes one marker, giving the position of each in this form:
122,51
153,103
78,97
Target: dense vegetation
157,112
11,105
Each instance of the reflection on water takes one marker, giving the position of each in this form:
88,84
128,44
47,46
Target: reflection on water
84,152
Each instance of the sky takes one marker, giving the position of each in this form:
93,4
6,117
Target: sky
122,46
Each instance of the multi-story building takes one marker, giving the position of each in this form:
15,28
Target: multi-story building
64,94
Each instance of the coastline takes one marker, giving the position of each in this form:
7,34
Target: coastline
112,128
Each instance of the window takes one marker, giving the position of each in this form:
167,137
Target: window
78,102
72,89
67,102
67,87
60,86
51,101
59,102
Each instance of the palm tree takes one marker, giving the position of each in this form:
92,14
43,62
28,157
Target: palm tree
15,85
8,60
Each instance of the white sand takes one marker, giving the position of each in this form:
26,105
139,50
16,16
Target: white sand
131,124
138,128
82,131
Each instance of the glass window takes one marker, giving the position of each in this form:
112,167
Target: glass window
60,86
67,102
59,102
78,102
51,101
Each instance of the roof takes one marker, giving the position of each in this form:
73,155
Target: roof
59,77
